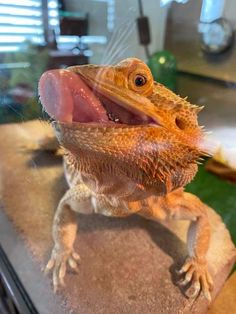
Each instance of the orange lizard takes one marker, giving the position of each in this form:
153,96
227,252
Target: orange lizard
131,145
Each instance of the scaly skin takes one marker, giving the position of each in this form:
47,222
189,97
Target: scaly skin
122,169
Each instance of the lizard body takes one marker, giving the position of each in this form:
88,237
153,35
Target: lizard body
131,145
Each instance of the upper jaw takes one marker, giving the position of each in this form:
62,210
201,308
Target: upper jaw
134,108
90,94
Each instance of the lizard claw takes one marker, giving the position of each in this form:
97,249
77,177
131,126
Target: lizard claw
58,265
195,271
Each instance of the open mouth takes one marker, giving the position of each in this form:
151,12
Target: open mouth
67,98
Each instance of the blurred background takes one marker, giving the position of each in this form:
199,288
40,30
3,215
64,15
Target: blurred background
188,44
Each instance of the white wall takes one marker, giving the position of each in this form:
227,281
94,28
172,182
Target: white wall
230,11
190,12
128,10
124,38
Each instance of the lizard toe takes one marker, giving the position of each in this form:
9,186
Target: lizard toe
49,266
58,263
197,273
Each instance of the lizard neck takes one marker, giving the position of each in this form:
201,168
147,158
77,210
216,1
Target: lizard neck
103,178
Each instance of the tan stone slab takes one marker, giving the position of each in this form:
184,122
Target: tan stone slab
127,264
226,300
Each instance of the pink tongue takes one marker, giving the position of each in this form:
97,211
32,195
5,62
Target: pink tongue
67,98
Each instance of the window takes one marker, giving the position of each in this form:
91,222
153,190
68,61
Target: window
22,20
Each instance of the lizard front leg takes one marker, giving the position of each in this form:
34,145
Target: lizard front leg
75,200
185,206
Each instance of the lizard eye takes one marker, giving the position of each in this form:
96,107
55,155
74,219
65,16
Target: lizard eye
140,80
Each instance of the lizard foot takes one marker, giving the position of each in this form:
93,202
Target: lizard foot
196,272
58,265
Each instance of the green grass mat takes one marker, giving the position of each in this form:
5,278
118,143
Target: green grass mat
217,193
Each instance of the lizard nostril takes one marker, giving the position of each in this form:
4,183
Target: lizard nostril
180,123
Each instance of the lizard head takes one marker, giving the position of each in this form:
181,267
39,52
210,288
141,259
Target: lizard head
119,117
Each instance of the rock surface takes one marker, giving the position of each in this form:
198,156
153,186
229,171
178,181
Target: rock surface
128,265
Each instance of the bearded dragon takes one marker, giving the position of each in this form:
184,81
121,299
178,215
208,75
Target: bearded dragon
131,145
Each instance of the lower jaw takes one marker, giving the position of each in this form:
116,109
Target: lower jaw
101,125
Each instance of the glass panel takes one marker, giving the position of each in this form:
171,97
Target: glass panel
129,132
